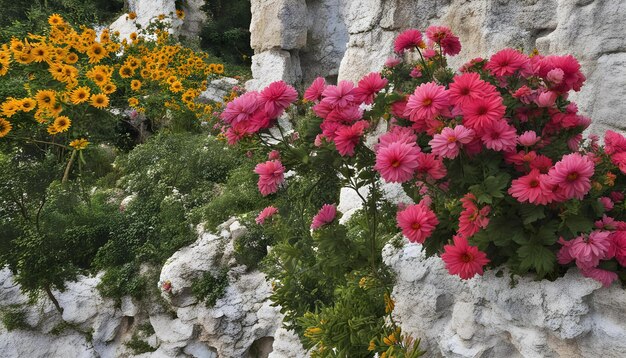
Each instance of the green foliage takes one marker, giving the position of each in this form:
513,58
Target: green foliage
14,317
209,288
225,32
251,247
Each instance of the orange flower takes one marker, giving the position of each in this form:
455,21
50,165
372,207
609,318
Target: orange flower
99,100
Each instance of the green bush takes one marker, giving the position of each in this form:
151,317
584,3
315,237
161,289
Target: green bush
14,317
209,288
226,33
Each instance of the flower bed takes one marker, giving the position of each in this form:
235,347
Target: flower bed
492,157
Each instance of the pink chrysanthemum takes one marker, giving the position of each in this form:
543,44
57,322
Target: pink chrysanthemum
368,87
271,175
572,77
589,250
314,92
483,112
276,97
266,214
563,256
326,215
392,62
449,142
472,219
347,137
500,136
573,173
603,276
618,240
531,188
340,95
619,159
430,167
506,62
417,222
450,44
464,260
396,134
428,101
407,40
396,162
614,143
241,108
468,87
528,138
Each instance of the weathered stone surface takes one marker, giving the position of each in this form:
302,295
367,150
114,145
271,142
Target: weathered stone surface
489,317
274,65
287,345
194,18
146,11
278,24
218,89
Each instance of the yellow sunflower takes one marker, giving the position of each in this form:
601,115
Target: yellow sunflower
109,88
133,102
52,129
79,144
5,127
176,87
96,52
71,58
27,104
219,68
80,95
62,123
45,98
132,15
126,71
10,107
55,19
99,100
4,66
180,14
23,58
40,53
135,85
56,109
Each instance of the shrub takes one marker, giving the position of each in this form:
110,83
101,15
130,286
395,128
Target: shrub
209,288
14,317
225,32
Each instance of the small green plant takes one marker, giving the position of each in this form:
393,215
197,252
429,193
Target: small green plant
138,345
14,317
210,288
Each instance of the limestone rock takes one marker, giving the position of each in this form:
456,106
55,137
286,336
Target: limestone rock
274,65
218,89
287,345
146,10
278,24
488,316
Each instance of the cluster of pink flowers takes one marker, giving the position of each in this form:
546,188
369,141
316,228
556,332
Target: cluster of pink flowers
271,176
254,111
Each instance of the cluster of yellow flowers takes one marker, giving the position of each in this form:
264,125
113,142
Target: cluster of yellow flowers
68,72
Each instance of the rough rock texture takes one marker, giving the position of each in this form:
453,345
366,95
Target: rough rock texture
240,324
346,39
489,317
147,11
218,89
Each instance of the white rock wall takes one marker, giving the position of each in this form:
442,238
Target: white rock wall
347,39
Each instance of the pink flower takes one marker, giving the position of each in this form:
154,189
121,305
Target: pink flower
340,95
500,136
619,159
417,222
273,155
464,260
618,239
241,108
555,76
506,62
415,73
265,214
449,142
326,215
392,62
397,134
271,175
430,166
572,77
483,112
442,35
607,203
532,188
396,162
428,101
603,276
614,143
368,87
398,108
546,99
407,40
528,138
314,92
276,97
347,137
472,218
468,87
588,251
572,173
563,256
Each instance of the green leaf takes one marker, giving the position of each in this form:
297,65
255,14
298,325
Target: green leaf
537,257
531,213
578,223
547,233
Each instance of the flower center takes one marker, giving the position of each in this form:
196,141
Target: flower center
534,183
467,257
451,139
482,110
427,102
416,226
395,163
572,176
